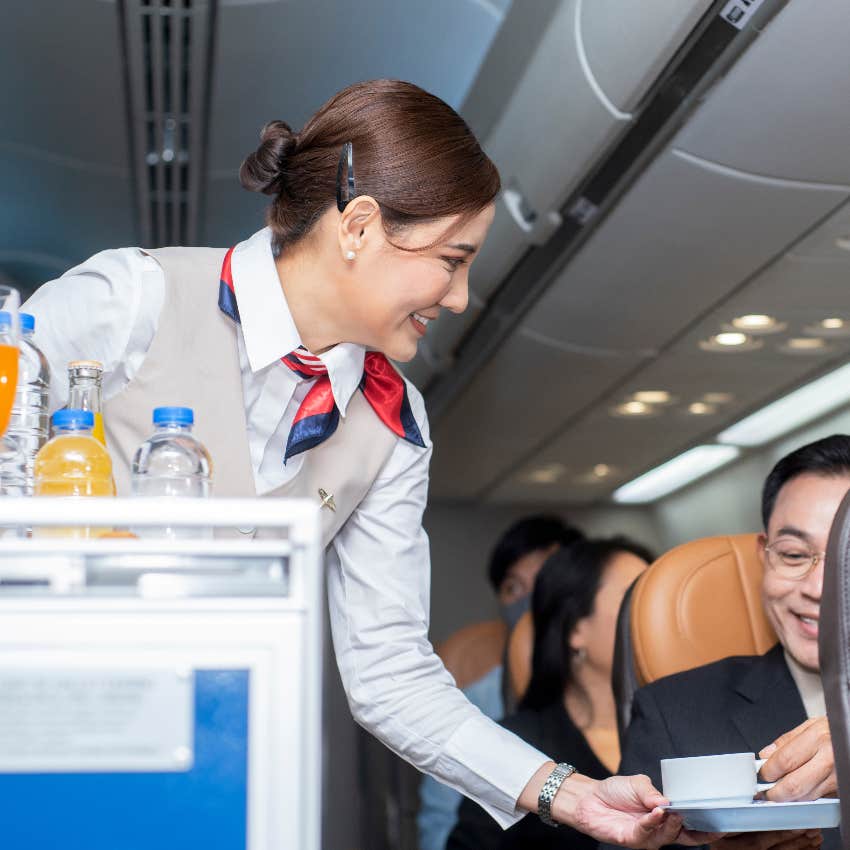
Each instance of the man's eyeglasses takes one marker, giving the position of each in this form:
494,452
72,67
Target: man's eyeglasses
345,177
792,558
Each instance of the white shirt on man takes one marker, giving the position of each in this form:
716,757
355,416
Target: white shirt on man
108,309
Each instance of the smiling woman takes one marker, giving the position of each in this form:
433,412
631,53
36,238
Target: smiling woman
281,346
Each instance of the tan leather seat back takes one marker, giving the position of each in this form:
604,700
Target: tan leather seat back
698,603
473,651
520,649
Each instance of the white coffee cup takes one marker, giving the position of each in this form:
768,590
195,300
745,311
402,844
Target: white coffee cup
724,780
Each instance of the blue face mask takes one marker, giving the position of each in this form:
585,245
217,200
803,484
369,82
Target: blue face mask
514,610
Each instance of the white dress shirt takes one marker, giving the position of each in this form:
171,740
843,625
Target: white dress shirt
809,685
378,577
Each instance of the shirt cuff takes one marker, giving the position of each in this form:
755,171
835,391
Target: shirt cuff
491,766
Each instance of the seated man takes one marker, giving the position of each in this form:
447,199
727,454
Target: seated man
514,563
745,704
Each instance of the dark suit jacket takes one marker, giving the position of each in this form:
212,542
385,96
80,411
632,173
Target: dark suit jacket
551,731
736,705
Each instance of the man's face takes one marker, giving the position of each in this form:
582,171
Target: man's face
799,524
519,579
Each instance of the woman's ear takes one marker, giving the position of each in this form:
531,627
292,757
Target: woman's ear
578,639
358,220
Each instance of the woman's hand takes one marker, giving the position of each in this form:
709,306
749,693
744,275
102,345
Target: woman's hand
621,810
792,839
801,763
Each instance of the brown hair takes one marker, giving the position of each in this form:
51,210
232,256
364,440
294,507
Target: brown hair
412,153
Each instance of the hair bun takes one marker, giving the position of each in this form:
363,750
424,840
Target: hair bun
262,170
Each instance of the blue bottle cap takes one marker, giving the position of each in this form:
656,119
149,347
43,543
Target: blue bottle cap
26,320
71,418
173,416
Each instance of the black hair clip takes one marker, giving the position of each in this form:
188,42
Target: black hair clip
346,159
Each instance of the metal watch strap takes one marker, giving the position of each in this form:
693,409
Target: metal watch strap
550,789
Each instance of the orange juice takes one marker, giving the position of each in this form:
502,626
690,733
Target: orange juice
98,432
8,383
73,464
84,392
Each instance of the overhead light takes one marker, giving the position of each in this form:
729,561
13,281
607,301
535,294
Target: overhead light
717,398
843,242
730,338
547,474
757,323
791,411
730,341
675,474
653,396
634,409
831,328
701,408
596,475
804,345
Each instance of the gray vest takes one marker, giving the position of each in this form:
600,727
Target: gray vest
193,361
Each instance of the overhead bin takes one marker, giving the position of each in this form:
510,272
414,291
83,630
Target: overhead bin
571,103
628,44
782,111
686,235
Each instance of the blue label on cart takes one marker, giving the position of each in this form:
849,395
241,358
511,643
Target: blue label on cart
205,806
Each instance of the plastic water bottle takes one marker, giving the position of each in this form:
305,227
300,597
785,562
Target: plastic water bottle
172,463
29,425
75,464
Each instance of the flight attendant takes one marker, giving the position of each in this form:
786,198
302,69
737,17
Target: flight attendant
282,345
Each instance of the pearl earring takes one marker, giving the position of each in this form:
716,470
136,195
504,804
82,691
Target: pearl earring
350,255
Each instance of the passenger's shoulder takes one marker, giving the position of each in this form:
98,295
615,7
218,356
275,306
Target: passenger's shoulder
703,680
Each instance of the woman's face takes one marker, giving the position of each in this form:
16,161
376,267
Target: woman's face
397,293
596,633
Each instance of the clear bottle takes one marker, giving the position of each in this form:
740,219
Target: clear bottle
172,463
29,424
73,464
14,480
85,378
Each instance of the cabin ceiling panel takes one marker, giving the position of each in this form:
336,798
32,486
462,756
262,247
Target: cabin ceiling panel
52,213
232,214
684,237
782,109
825,242
628,44
524,393
282,60
626,446
63,93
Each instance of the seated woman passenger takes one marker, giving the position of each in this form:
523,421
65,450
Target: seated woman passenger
743,704
569,704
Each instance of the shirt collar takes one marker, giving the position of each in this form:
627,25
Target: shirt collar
268,327
809,685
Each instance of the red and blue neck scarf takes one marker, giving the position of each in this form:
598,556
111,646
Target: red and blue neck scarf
318,416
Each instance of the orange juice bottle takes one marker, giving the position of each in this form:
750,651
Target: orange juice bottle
85,379
8,382
73,464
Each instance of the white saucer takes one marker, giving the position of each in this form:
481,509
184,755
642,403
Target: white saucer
759,816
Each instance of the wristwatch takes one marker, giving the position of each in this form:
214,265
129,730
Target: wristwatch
550,789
